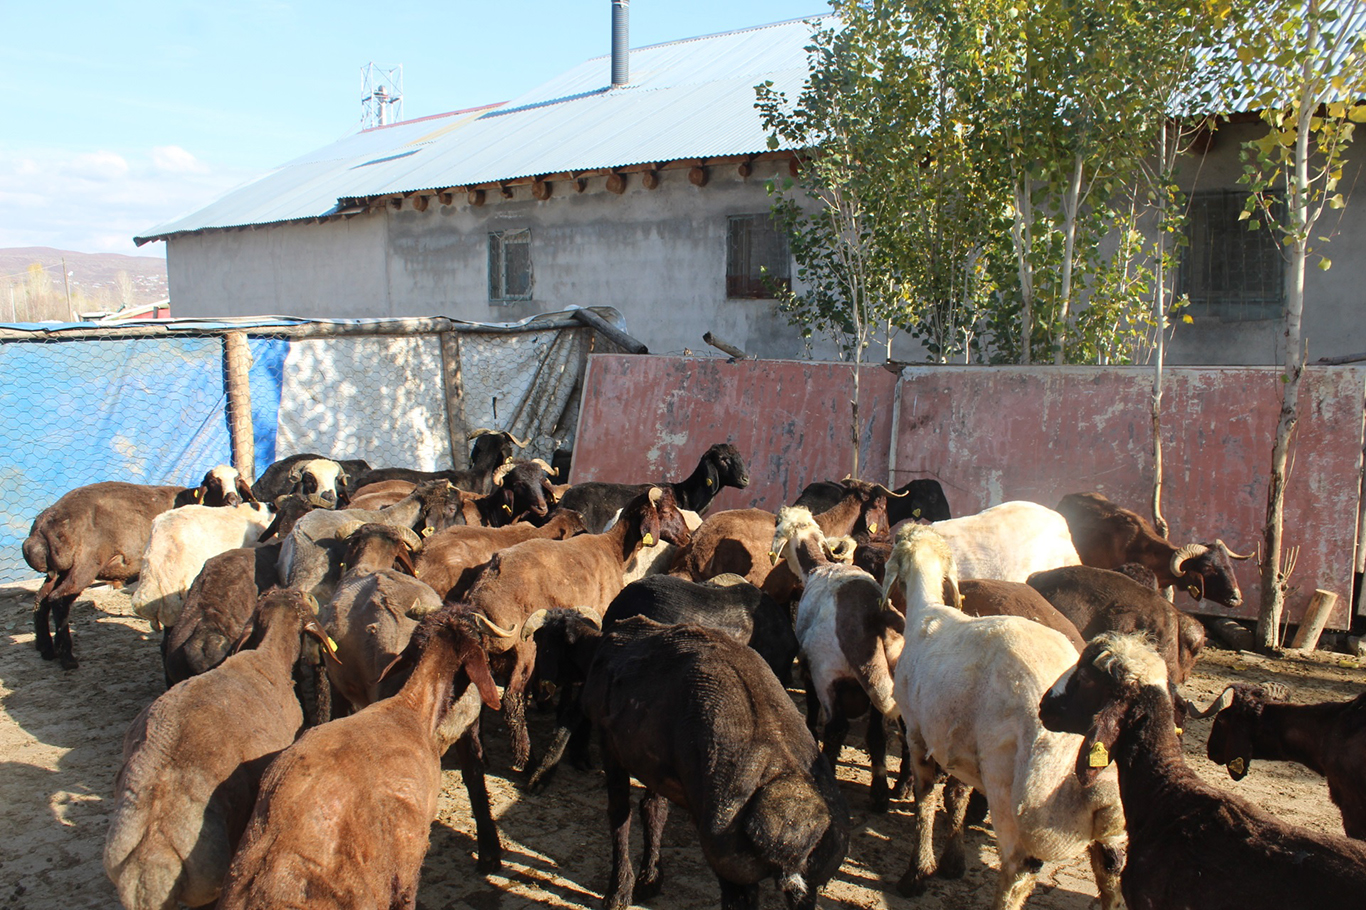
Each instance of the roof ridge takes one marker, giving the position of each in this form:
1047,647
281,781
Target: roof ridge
734,31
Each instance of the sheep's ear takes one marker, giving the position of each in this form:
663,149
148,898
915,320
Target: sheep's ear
1097,746
314,628
244,490
405,562
244,641
296,473
477,667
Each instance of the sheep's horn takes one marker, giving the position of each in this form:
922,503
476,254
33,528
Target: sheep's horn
656,494
1189,551
521,443
1223,701
1219,544
545,466
534,622
475,434
591,615
346,529
502,472
488,625
893,493
840,549
409,537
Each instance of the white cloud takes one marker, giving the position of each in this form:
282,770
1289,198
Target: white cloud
97,200
172,159
101,165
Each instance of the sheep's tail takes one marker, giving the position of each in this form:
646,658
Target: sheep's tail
785,821
142,878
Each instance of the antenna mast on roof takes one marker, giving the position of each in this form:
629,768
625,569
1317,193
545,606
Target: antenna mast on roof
381,95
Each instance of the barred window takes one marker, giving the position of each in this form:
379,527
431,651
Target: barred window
509,266
1230,272
756,249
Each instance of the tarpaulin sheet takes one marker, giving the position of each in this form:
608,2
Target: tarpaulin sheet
140,410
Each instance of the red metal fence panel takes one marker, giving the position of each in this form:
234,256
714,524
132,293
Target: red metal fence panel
991,434
649,418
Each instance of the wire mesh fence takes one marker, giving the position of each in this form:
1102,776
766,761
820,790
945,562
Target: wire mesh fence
164,403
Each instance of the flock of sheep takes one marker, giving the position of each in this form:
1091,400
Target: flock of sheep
332,624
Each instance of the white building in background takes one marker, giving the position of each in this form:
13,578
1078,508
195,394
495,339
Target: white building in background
647,195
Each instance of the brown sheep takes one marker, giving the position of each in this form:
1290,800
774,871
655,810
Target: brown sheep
381,494
586,570
378,775
738,541
450,558
192,761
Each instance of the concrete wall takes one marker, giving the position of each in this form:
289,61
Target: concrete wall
658,256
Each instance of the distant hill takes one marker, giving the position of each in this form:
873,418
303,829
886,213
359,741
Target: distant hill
99,281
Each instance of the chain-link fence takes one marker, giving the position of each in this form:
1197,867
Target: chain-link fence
165,402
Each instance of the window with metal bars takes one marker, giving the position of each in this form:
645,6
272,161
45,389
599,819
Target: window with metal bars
757,257
509,266
1230,272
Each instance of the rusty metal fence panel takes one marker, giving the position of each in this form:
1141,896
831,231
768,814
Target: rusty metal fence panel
991,434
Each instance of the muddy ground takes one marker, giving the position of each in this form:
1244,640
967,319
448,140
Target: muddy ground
61,734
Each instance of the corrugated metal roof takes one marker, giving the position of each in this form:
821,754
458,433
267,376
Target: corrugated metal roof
686,99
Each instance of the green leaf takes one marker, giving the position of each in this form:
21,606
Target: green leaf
1186,318
1325,263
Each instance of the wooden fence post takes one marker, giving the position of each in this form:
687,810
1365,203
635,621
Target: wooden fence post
452,388
237,368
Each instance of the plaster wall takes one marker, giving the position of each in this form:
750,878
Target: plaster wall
658,256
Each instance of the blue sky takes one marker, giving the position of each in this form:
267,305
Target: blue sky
119,115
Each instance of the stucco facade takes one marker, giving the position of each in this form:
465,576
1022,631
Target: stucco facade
656,255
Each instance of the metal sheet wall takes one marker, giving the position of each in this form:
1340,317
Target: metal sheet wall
994,434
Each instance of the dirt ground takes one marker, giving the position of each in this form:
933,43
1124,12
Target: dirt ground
61,735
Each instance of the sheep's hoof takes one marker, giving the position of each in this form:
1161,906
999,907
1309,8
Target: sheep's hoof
952,864
68,661
912,884
490,865
45,649
881,800
645,889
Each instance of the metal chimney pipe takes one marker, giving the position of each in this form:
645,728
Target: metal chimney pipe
621,47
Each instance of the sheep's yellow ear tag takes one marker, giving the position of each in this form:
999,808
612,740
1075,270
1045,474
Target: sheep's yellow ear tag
332,642
507,508
648,539
708,481
198,495
915,514
872,527
1099,756
1179,731
427,531
1237,766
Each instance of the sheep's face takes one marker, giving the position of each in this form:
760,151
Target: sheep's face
730,467
319,481
1234,729
1209,576
525,490
1092,698
664,519
490,450
223,486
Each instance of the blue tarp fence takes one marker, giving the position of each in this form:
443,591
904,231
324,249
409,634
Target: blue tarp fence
149,403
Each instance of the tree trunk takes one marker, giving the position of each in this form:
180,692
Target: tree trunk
1071,204
1160,353
1020,233
1272,584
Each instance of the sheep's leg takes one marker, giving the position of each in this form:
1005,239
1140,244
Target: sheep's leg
926,802
42,633
1107,862
1016,883
738,897
514,708
61,621
470,753
956,797
877,755
903,777
654,812
623,879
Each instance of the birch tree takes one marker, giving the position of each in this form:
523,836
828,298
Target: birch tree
1305,70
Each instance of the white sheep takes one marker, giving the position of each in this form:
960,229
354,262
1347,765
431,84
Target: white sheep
182,541
1009,542
849,644
969,690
